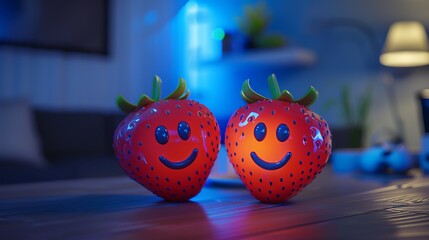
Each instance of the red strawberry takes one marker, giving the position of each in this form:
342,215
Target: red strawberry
279,146
167,146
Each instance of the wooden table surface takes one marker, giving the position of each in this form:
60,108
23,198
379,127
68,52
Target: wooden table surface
333,207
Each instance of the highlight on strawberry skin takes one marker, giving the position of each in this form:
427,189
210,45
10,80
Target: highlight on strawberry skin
167,145
277,145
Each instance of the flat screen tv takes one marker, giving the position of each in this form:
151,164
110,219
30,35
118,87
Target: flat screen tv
65,25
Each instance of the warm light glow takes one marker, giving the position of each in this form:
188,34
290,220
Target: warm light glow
424,93
406,45
405,59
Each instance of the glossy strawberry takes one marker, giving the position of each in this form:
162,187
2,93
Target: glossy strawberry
168,146
278,146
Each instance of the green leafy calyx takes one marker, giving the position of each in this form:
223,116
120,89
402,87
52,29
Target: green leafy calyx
179,93
251,96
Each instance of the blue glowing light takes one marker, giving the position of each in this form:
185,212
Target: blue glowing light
150,18
192,7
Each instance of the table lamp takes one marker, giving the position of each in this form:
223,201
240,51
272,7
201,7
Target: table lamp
406,45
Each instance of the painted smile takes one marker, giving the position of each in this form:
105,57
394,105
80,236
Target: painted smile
270,166
182,164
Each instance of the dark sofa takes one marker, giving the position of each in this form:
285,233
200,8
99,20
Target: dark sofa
76,144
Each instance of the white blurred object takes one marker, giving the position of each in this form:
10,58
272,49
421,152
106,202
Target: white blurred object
406,45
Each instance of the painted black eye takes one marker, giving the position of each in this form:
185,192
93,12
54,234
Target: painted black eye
282,132
161,135
260,131
184,130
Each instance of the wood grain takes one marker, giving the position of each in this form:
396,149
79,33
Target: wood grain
333,207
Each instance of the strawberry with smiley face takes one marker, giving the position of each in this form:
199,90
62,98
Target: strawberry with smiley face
168,146
278,146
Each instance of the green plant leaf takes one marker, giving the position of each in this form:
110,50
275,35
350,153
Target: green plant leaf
327,105
346,104
364,106
254,20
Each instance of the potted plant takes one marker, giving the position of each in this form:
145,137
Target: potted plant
253,23
355,116
348,139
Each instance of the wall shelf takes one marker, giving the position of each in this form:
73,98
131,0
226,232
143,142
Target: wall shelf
288,57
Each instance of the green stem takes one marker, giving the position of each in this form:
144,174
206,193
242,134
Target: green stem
285,96
309,98
145,100
274,86
185,95
249,95
245,98
178,92
156,88
124,105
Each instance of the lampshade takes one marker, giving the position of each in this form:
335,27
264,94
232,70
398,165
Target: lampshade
406,45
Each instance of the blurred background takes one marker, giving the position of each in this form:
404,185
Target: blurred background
78,56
